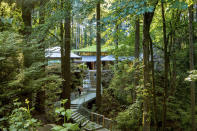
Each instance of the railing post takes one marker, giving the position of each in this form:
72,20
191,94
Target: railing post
97,119
91,116
110,126
103,121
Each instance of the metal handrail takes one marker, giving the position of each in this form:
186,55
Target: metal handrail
97,118
92,116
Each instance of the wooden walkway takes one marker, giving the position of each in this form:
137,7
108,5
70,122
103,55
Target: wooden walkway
81,115
81,119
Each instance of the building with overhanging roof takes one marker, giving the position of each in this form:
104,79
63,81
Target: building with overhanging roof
110,59
53,55
88,55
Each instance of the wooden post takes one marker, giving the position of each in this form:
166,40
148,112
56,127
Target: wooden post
92,116
97,119
103,121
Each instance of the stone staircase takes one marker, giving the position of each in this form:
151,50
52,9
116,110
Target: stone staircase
81,118
84,123
74,107
93,78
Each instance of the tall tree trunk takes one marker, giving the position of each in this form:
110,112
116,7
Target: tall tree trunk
191,57
27,52
26,16
73,36
196,11
62,50
153,86
173,85
62,47
85,37
137,38
40,98
173,78
66,83
146,70
166,63
79,36
76,36
1,23
98,57
136,54
91,32
116,43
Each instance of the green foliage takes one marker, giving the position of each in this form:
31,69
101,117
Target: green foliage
118,94
61,111
181,5
126,72
78,72
66,127
21,119
20,81
110,106
10,17
192,76
10,66
130,118
17,81
93,49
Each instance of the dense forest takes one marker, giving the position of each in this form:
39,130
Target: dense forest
86,65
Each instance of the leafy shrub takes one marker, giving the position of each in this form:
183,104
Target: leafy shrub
130,118
110,106
61,111
21,119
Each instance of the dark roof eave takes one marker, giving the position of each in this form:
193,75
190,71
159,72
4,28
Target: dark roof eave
91,51
60,57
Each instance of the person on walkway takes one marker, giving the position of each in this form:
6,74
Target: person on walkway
95,76
80,89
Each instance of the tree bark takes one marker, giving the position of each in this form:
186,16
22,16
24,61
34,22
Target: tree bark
66,83
79,36
191,57
153,86
40,98
76,37
91,32
73,36
196,11
148,16
116,44
165,71
137,38
26,8
166,63
85,37
136,54
98,55
62,50
173,54
26,16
